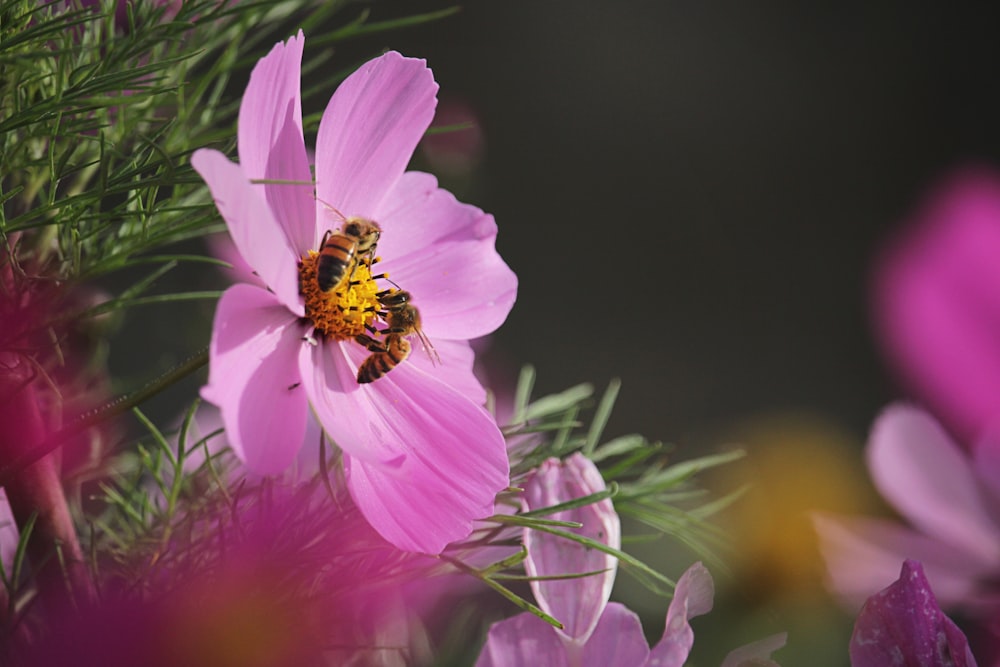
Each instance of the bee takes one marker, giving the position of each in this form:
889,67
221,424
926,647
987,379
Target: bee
402,319
341,251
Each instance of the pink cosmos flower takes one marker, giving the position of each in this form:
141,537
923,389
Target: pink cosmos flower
936,302
903,625
949,498
423,459
577,603
595,633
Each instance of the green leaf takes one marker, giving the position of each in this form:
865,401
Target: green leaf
601,416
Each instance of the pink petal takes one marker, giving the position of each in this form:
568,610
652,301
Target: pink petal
756,654
270,141
936,301
347,410
579,602
692,597
209,419
257,235
918,469
222,247
862,555
414,216
423,461
369,131
254,378
523,640
986,464
617,640
444,253
455,367
9,535
903,625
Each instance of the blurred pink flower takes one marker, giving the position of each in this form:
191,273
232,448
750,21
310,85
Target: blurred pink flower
459,150
596,633
903,625
9,534
949,498
936,302
282,576
423,459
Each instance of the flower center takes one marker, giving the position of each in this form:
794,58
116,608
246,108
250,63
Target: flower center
344,312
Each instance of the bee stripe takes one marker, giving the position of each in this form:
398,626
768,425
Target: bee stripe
337,254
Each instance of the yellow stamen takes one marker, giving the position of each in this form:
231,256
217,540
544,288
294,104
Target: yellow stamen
343,312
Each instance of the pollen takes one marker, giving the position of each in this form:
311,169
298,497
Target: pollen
344,312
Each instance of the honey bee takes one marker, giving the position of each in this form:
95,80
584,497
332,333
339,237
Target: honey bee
402,320
341,251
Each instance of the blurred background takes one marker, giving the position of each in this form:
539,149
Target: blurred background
692,195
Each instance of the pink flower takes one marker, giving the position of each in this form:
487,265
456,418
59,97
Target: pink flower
936,302
579,602
422,457
949,499
903,625
595,633
282,576
617,638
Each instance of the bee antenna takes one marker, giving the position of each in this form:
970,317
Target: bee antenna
333,208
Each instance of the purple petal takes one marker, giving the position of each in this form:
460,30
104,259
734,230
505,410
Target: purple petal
369,131
917,468
254,378
271,145
579,602
937,301
756,654
523,640
444,253
692,597
903,625
257,235
861,554
423,461
617,640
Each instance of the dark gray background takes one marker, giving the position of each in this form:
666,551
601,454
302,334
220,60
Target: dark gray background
691,193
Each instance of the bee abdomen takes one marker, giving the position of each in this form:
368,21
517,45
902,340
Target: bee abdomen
337,254
380,363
